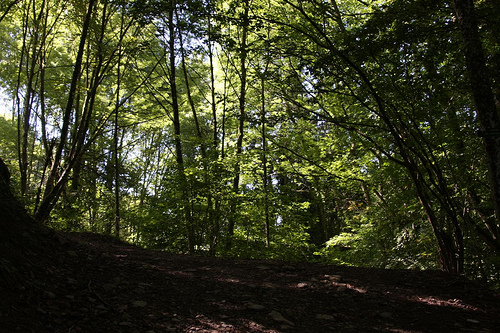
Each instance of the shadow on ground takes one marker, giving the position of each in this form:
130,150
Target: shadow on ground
93,283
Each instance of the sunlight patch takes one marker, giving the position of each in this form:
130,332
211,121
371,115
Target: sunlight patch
435,301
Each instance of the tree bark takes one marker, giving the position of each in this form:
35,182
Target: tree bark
116,140
177,131
487,113
241,123
265,168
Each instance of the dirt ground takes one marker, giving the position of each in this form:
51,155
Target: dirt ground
92,283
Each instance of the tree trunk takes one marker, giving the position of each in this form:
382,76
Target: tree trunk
241,123
265,176
116,159
32,57
116,143
214,203
487,113
177,132
53,190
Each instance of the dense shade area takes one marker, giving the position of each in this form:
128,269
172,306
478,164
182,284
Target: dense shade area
84,282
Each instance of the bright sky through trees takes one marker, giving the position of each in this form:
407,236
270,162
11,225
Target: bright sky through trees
5,105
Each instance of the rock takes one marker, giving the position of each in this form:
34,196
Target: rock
49,294
256,307
473,321
139,304
325,317
109,286
386,315
264,267
139,290
341,289
125,323
276,316
334,278
302,285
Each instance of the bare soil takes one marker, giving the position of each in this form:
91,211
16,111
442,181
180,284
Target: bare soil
92,283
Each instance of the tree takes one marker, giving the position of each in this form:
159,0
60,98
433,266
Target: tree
487,112
243,51
336,61
177,126
56,179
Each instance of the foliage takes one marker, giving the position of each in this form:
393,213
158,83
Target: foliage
336,131
8,141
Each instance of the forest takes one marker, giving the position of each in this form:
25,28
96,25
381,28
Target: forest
354,132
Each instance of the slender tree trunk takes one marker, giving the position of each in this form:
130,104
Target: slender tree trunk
17,94
32,71
177,132
241,122
265,176
116,143
199,134
215,133
323,219
214,202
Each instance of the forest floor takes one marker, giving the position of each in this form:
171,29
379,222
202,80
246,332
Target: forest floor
92,283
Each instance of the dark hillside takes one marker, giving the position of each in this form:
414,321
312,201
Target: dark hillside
22,241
